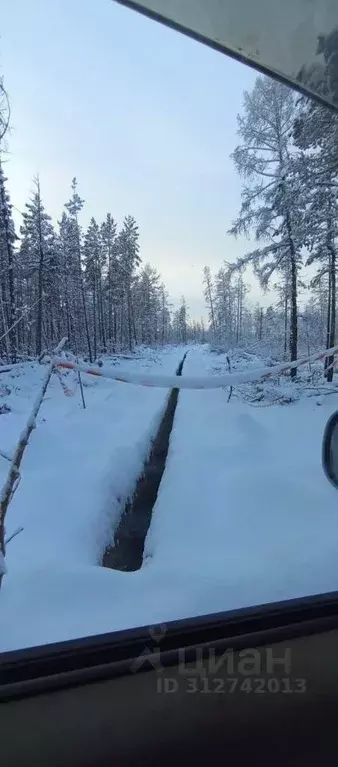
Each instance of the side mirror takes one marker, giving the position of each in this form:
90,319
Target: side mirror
330,449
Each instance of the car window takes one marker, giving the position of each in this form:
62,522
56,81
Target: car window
168,235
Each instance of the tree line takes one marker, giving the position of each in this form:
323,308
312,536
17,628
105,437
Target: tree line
90,286
287,159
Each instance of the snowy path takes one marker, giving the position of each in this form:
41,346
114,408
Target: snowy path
244,510
126,551
77,473
244,514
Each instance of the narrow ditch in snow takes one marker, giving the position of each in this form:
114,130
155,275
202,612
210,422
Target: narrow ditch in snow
126,553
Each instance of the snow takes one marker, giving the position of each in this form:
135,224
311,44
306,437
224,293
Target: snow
78,470
244,510
193,382
244,514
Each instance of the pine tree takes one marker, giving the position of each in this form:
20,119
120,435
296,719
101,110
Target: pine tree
92,265
165,318
224,309
129,259
110,257
181,322
36,251
148,304
74,206
71,301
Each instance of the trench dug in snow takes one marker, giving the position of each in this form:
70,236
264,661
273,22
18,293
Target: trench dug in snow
126,552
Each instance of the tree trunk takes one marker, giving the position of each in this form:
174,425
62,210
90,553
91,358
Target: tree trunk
103,329
4,334
293,318
83,295
110,299
293,276
237,315
285,325
10,261
122,323
332,320
133,320
114,328
38,343
211,308
94,319
260,324
39,311
240,307
129,320
293,308
163,319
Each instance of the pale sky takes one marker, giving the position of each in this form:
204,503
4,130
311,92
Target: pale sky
144,117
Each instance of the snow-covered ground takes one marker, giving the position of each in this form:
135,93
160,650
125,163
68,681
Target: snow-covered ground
244,513
77,473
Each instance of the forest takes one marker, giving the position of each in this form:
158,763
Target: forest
95,287
181,475
287,159
91,286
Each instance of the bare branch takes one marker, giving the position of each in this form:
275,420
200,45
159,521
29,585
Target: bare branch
16,532
13,477
6,456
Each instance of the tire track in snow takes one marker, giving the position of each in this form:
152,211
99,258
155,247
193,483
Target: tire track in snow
126,553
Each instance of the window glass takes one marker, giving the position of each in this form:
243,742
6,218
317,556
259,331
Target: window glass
168,235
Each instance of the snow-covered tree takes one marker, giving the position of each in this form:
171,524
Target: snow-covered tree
129,260
181,322
148,305
8,297
73,207
316,134
165,315
271,196
36,253
209,296
92,258
112,278
224,309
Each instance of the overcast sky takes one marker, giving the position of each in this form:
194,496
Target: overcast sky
144,117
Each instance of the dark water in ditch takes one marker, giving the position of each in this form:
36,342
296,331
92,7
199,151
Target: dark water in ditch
126,553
